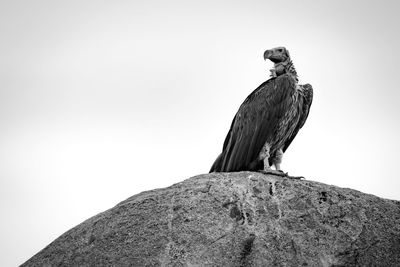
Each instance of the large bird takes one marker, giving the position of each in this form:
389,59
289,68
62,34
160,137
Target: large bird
267,121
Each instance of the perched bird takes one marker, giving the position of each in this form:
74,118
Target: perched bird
267,121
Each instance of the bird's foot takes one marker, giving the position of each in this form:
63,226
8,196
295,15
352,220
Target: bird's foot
280,173
273,172
294,177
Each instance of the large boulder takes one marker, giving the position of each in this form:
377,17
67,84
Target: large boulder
236,219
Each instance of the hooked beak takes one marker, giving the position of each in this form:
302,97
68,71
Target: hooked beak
268,54
271,55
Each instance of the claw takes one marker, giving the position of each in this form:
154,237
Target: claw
273,172
280,173
295,177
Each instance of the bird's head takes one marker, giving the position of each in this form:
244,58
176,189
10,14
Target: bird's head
277,55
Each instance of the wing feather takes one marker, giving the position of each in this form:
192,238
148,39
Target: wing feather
305,101
255,123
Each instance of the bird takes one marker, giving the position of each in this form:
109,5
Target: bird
267,121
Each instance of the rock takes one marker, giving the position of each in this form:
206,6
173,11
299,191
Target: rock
236,219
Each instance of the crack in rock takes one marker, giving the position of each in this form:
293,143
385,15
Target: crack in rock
246,251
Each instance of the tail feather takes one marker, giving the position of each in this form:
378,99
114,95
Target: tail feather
216,167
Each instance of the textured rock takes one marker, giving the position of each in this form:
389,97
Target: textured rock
236,219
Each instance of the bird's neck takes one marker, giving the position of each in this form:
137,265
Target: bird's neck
290,69
284,67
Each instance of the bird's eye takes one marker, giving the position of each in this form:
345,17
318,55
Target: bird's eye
280,50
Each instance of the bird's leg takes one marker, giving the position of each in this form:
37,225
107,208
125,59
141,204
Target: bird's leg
267,169
264,154
277,160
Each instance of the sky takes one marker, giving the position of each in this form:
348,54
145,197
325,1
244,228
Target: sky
101,100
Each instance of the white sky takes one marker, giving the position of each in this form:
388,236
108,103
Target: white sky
102,100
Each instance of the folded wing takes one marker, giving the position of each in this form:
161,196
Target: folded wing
256,123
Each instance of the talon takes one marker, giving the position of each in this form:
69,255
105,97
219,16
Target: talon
294,177
273,172
280,173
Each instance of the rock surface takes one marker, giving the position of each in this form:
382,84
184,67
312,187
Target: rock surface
236,219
